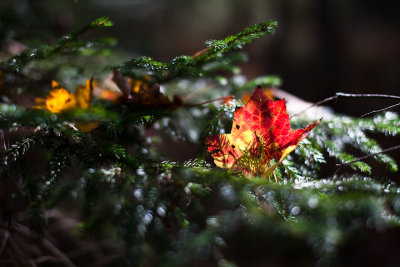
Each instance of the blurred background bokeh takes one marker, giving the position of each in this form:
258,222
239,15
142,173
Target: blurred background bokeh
321,47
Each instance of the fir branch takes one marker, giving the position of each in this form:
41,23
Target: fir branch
18,149
168,213
196,65
210,101
346,95
97,23
369,156
65,45
237,41
58,164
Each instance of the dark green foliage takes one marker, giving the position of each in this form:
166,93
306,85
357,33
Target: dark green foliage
204,63
335,133
215,48
118,185
65,45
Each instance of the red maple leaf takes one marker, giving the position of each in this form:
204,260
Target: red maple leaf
260,133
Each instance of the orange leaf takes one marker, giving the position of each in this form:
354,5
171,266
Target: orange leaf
139,85
60,99
83,95
260,133
246,96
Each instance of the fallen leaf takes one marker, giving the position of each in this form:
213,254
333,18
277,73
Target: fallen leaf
260,133
246,96
123,85
139,92
139,85
59,99
106,89
83,95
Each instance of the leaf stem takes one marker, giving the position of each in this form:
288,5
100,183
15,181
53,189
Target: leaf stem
209,101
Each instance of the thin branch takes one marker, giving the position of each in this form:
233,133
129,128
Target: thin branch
368,156
209,101
53,249
379,110
18,255
317,104
201,52
339,95
46,244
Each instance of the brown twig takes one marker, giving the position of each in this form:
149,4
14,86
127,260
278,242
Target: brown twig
46,244
55,251
209,101
201,52
368,156
379,110
18,255
339,94
317,104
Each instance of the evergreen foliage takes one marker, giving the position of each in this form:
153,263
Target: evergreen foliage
164,213
202,64
65,45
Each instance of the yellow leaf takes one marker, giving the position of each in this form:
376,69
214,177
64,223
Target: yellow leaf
286,152
83,94
59,99
138,85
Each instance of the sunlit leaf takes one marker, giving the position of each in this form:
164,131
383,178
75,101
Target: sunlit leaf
59,99
260,135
